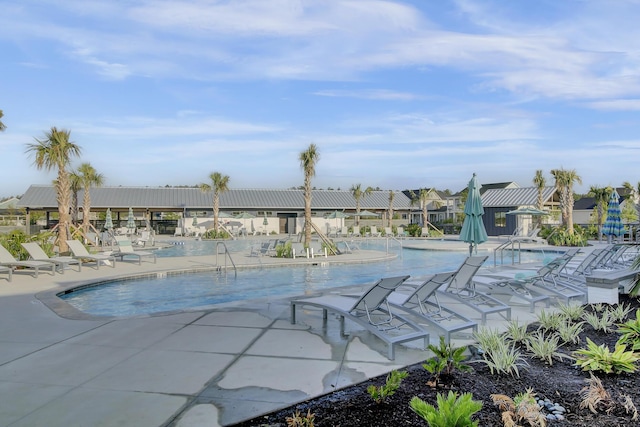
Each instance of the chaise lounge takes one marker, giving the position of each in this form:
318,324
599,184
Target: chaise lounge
371,311
61,262
125,248
81,253
8,260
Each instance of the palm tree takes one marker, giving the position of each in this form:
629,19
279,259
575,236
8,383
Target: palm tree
219,184
308,160
358,193
540,182
2,126
55,150
564,184
88,177
392,195
601,197
423,198
74,185
634,195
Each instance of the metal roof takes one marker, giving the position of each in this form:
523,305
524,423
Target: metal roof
44,197
508,197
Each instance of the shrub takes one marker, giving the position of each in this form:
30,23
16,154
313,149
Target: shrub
620,313
452,411
394,378
549,321
488,339
504,359
447,359
569,332
600,358
544,347
413,230
523,407
517,332
630,331
284,251
299,420
599,322
571,311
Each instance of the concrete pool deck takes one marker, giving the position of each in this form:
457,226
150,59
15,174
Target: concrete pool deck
208,367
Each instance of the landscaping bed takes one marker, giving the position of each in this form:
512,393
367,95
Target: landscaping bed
561,382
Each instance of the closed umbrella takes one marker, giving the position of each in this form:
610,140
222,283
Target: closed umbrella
108,220
265,222
131,220
613,224
473,231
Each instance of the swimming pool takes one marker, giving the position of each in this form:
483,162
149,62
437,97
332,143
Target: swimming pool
198,290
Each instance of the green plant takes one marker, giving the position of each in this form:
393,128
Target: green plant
284,251
523,407
504,359
394,378
620,313
600,358
452,411
446,360
570,332
299,420
413,230
549,321
517,332
571,311
488,339
630,331
544,347
598,322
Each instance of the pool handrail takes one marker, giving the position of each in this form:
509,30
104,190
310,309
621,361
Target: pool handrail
227,255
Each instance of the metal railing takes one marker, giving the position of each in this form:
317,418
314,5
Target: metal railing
510,245
227,255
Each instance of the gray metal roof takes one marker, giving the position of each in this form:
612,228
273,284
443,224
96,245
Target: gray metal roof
44,197
508,197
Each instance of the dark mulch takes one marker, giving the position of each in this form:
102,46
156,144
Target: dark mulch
560,383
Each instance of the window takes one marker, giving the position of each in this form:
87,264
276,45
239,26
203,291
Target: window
501,219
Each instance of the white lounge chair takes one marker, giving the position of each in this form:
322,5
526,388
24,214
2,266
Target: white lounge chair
7,270
461,289
8,260
374,231
371,311
61,262
125,248
80,252
423,303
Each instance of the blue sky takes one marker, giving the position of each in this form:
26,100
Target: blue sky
395,94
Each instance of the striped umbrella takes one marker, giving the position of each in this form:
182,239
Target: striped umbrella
473,231
613,225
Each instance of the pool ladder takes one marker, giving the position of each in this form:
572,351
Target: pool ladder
227,256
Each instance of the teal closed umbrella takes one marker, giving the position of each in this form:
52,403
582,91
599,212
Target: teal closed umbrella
108,220
613,224
473,231
131,220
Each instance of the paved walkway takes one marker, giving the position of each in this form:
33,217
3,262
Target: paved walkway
214,367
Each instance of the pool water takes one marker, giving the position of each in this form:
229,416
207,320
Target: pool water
197,290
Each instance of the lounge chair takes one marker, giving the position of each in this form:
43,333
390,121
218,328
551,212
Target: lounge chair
374,232
7,260
547,278
371,311
80,252
462,289
344,232
61,262
7,270
125,248
388,232
356,232
424,232
424,304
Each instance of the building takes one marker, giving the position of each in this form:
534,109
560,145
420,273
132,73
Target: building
164,207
